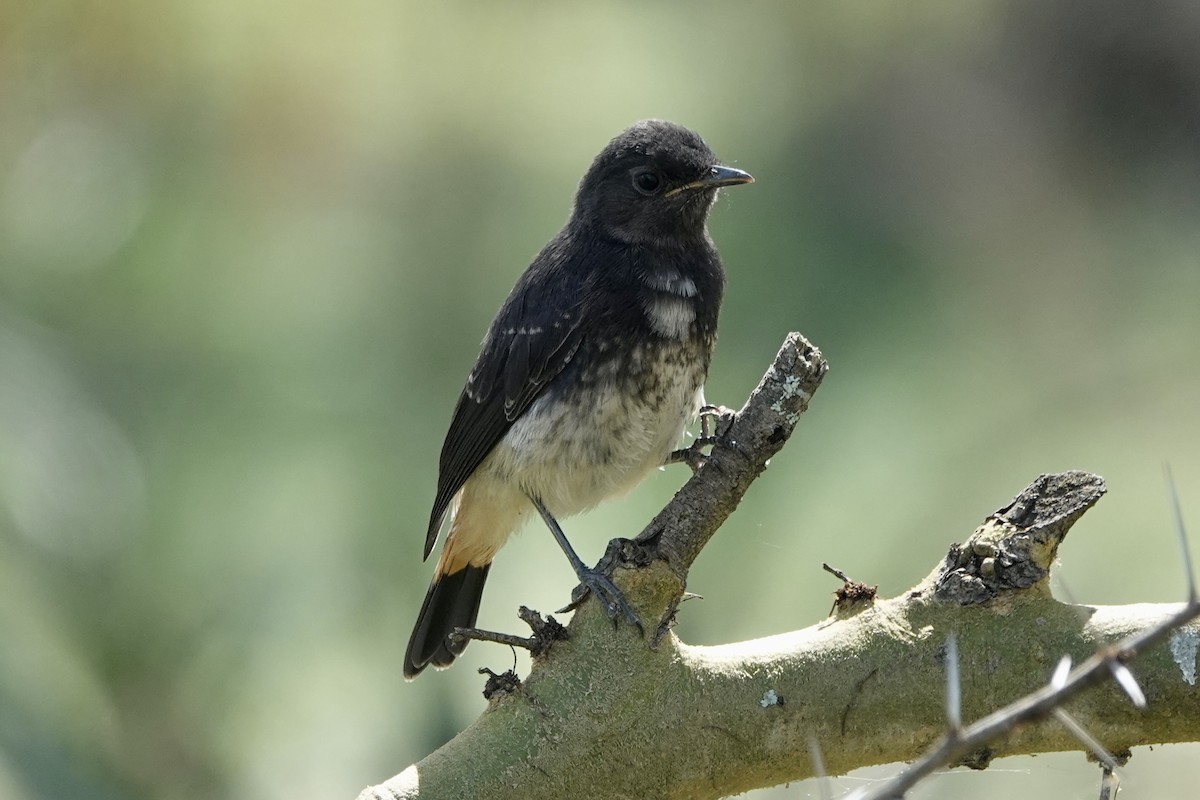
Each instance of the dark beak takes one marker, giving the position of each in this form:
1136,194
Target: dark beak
717,176
725,176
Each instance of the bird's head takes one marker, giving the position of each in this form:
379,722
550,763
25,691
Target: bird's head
653,184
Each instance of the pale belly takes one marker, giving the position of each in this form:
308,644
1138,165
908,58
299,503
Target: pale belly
574,449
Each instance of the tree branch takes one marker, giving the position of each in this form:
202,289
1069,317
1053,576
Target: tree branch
1048,508
610,714
740,455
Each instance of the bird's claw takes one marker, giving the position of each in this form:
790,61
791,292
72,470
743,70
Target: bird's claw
693,455
722,415
611,599
714,424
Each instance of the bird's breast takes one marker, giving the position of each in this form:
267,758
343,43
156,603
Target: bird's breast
605,423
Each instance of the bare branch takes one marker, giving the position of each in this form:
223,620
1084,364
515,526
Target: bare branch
739,454
655,717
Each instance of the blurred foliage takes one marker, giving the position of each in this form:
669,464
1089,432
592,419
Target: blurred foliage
247,252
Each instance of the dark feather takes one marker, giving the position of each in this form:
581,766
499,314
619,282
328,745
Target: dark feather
532,338
451,602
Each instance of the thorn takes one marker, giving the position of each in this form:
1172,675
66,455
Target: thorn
953,688
1128,683
1110,784
818,762
1182,533
1059,679
1102,755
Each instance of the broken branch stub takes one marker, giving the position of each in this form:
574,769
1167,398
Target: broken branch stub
1015,546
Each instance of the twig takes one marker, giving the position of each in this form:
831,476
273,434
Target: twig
480,635
545,633
835,572
850,592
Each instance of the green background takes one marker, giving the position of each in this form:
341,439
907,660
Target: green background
248,250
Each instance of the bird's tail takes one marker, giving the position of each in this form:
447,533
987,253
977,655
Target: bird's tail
451,602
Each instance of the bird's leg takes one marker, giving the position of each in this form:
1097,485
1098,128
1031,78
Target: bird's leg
593,580
714,422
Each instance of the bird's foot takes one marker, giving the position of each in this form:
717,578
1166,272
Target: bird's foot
598,582
715,422
693,455
611,599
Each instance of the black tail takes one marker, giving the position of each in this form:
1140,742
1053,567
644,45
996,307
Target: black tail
451,602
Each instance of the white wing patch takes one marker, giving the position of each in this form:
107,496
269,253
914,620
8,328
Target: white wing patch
671,316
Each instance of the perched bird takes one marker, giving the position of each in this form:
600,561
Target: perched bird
588,375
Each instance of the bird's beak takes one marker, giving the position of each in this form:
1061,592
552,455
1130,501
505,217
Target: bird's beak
717,175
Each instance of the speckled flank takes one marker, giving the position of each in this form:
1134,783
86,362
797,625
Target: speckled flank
614,425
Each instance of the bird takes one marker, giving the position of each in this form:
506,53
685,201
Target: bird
588,376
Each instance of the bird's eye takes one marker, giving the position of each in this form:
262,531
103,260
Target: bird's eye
647,182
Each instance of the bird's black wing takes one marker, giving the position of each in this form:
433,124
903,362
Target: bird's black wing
534,335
